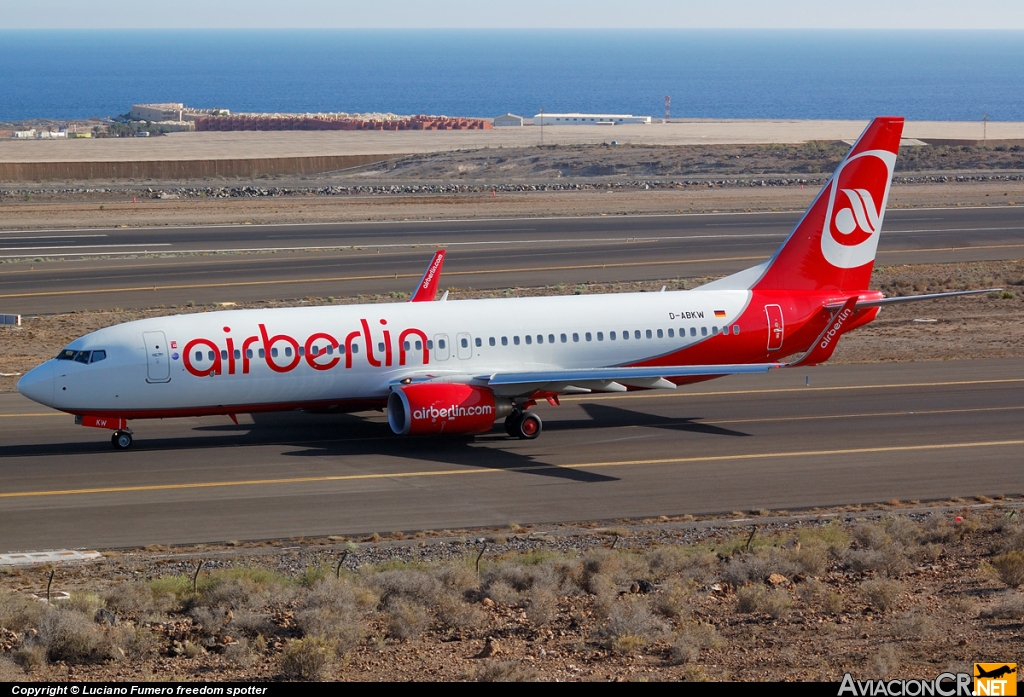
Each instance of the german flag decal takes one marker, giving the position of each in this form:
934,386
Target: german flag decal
719,313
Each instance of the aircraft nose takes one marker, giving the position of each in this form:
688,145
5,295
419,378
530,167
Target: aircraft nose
38,384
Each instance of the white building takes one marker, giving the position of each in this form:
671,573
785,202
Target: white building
508,120
587,119
157,112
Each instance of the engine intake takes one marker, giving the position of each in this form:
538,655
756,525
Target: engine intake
444,408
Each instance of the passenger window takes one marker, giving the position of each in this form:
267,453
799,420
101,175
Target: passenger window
671,332
288,351
341,349
430,344
355,348
504,341
479,342
273,353
419,345
735,329
515,340
611,336
529,339
703,331
223,355
625,335
491,341
600,336
693,331
587,335
238,354
714,331
648,333
380,347
465,342
199,356
248,353
213,356
406,345
302,350
441,343
564,338
540,338
636,334
263,354
661,334
551,338
98,356
83,356
330,350
575,337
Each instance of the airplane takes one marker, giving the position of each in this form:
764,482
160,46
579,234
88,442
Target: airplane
459,367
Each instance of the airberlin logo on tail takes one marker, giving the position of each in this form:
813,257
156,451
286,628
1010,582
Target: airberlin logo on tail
856,204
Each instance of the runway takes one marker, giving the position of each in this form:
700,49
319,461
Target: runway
128,268
855,434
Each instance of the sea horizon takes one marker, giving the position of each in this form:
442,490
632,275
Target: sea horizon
711,74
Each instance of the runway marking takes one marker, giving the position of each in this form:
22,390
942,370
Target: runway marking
528,468
929,412
777,390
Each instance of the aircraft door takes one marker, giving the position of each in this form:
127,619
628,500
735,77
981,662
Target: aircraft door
158,365
441,348
464,346
776,328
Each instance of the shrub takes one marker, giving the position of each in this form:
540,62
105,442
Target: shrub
691,640
72,637
1010,568
884,663
18,613
30,657
757,598
405,619
1009,607
506,671
631,626
307,659
881,594
914,625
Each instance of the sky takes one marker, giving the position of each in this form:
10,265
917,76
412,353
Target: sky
532,14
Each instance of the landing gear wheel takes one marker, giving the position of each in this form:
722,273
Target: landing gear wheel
121,440
529,426
512,423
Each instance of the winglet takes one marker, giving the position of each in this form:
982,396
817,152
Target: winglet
427,288
827,341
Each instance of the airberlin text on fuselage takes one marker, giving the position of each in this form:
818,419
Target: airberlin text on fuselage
314,350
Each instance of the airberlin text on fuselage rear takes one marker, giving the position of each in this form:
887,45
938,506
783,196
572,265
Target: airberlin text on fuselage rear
320,350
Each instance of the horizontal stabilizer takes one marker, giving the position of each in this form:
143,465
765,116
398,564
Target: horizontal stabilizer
825,345
863,305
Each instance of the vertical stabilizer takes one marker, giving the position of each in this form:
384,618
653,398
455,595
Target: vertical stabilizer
833,246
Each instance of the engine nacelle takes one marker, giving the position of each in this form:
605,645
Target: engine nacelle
444,408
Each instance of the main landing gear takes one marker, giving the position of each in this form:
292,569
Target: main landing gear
521,424
121,440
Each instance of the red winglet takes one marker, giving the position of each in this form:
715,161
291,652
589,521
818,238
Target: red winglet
827,341
427,288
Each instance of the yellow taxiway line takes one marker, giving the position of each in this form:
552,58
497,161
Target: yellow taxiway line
528,468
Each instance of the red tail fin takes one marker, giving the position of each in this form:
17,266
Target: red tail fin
833,246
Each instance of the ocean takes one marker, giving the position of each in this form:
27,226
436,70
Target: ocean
779,74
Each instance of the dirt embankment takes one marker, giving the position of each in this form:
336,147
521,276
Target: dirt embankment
900,591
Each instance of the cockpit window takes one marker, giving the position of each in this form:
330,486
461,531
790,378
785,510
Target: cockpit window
81,356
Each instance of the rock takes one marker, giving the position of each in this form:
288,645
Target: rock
490,648
777,579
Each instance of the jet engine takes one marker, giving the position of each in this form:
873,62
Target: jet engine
444,408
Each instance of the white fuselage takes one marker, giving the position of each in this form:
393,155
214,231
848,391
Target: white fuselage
264,359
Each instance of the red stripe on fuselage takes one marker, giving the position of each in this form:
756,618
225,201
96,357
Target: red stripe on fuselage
334,405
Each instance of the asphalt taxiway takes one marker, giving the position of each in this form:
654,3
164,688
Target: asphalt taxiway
855,434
